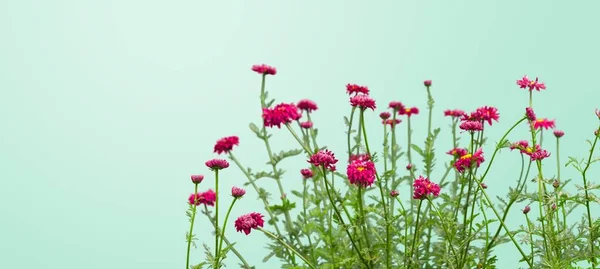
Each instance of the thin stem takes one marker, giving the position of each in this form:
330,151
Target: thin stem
304,206
362,222
217,218
412,173
587,200
190,236
415,235
530,236
237,253
305,147
269,234
350,131
219,259
446,232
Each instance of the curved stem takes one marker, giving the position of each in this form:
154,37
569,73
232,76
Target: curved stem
290,248
350,131
190,236
412,173
447,233
587,200
416,234
219,259
237,253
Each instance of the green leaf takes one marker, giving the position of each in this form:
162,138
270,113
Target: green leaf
254,128
276,158
417,149
297,193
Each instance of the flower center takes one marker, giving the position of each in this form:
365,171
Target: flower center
539,120
467,156
360,169
407,110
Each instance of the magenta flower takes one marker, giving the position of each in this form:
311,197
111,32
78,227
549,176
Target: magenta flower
385,115
391,122
359,157
427,83
237,192
307,105
356,89
525,82
544,123
362,101
423,187
280,114
409,111
454,113
530,114
217,164
488,113
306,124
306,173
471,126
196,179
539,154
225,144
468,160
324,158
264,69
208,198
396,106
598,113
248,222
558,133
457,152
361,173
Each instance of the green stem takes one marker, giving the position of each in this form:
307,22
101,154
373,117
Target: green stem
217,218
304,206
305,147
587,200
190,236
530,236
350,131
237,253
412,173
362,221
263,97
290,248
415,235
219,259
394,154
447,233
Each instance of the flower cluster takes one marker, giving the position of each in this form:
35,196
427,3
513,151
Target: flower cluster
248,222
467,160
207,198
535,153
225,144
423,187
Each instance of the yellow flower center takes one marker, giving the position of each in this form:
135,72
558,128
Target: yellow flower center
529,150
467,156
539,120
360,169
407,110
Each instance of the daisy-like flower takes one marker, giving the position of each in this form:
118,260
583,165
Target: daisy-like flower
409,111
237,192
544,123
522,145
307,105
217,164
362,101
356,89
457,152
488,113
423,187
306,124
468,160
248,222
530,114
208,198
539,154
196,179
280,114
385,115
225,144
454,113
558,133
324,158
306,173
396,106
264,69
525,82
361,173
427,83
471,126
391,122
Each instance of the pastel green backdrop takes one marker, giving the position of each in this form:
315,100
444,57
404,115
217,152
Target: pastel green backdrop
107,107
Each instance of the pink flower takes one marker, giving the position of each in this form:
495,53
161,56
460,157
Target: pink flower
468,160
521,145
539,154
558,133
196,179
362,101
208,198
360,157
457,152
280,114
455,113
525,82
391,122
427,83
356,89
237,192
307,105
385,115
324,158
409,111
394,193
488,113
306,173
526,209
544,123
530,114
248,222
361,173
217,164
396,106
471,126
225,144
264,69
306,124
423,187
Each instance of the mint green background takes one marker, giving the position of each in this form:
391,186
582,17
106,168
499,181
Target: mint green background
107,107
